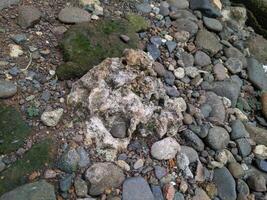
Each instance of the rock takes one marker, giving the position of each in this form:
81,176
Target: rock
28,16
7,89
259,135
218,138
6,3
143,8
260,151
65,182
73,15
179,73
171,45
186,25
202,59
238,130
159,69
160,172
164,8
234,65
244,147
169,78
236,170
262,165
216,105
192,72
187,58
136,187
51,118
183,165
179,4
81,187
208,42
172,91
169,191
138,164
242,187
257,183
219,72
227,88
258,47
119,128
190,153
15,50
193,140
225,184
103,176
165,149
200,195
84,157
182,36
124,165
178,196
157,193
19,38
153,51
233,52
69,161
206,7
34,191
212,24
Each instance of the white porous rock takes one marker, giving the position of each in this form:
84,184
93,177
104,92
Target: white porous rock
260,151
165,149
51,118
125,87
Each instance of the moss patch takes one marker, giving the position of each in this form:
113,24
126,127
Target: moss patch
86,45
13,129
39,156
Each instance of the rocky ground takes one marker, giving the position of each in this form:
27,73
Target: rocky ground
132,100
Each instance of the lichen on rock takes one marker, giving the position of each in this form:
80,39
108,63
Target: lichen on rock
125,87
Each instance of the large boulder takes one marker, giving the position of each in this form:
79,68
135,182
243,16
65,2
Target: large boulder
87,44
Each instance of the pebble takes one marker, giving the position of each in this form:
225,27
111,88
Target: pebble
260,151
242,187
84,160
165,149
7,3
192,72
125,38
81,187
193,140
186,25
15,50
19,38
172,91
187,58
212,24
238,130
164,8
65,182
160,172
234,65
190,153
169,191
178,196
262,165
49,174
119,128
2,165
159,69
264,104
157,193
179,4
202,59
122,164
200,195
171,45
73,15
257,183
52,118
169,78
219,71
69,161
28,16
153,51
244,147
102,176
134,187
7,89
236,170
138,164
218,138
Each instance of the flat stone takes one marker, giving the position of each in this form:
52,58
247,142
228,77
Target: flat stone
257,183
159,69
258,47
236,169
81,187
244,147
208,42
171,45
165,149
202,59
33,191
119,128
200,194
136,188
216,105
73,15
69,161
7,89
219,72
234,65
19,38
225,183
153,51
190,153
160,172
233,52
156,190
259,135
143,8
65,182
206,7
103,176
179,4
187,58
164,8
193,140
186,25
8,3
212,24
28,16
218,138
238,130
262,165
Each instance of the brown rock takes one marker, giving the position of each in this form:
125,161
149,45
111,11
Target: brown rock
259,135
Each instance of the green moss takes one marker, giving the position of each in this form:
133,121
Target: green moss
137,22
86,45
13,129
39,156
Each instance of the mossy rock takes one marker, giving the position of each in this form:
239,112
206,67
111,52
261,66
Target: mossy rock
13,129
38,157
87,44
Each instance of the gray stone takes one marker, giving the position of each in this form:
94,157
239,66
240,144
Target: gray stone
171,45
219,72
233,52
186,25
238,130
119,128
190,153
187,59
28,16
178,196
242,187
159,69
256,74
183,14
69,161
259,135
73,15
244,147
143,8
206,7
206,110
218,138
14,71
208,42
193,140
202,59
19,38
153,50
65,182
216,104
52,118
257,183
160,172
84,160
169,78
234,65
103,176
136,188
179,4
225,184
212,24
164,8
236,170
32,191
172,91
7,3
81,187
7,89
156,40
156,190
165,149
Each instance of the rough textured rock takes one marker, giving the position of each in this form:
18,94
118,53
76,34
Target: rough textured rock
32,191
73,15
136,188
7,3
111,88
103,176
7,89
28,16
51,118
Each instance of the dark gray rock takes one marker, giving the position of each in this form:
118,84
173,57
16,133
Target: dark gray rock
69,161
234,65
238,130
187,59
28,16
171,45
262,165
208,42
190,153
164,8
216,104
102,176
233,52
242,187
153,50
225,184
179,4
32,191
186,25
218,138
136,188
81,187
19,38
7,3
244,147
7,89
183,14
257,183
193,140
172,91
169,78
202,59
156,40
206,8
256,74
212,24
65,182
157,193
84,160
119,128
159,69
